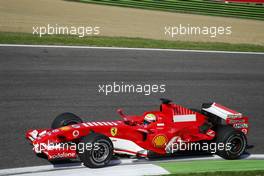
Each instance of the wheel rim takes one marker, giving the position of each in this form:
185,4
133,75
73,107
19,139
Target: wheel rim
237,144
99,155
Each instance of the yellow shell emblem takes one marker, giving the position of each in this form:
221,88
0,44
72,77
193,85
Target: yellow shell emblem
159,141
113,131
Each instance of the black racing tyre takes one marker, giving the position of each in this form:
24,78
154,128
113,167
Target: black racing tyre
65,119
235,142
101,152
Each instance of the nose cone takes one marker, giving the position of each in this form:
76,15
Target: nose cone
32,134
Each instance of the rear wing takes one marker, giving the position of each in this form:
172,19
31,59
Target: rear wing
228,116
220,111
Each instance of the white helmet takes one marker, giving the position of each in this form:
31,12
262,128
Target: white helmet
150,118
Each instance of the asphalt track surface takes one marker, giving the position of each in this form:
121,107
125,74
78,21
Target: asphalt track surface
36,84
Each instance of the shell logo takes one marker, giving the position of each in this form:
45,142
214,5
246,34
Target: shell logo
159,141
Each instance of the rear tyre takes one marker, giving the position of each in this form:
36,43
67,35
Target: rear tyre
65,119
235,142
101,152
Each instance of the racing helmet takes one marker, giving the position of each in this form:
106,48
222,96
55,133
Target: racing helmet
149,118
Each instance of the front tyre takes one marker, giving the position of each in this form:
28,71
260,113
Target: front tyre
235,142
101,152
65,119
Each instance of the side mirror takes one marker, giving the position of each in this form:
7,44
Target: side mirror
120,112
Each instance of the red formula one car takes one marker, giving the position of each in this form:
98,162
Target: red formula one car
166,131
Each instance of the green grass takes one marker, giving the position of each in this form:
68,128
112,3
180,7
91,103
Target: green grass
222,167
204,7
26,38
225,173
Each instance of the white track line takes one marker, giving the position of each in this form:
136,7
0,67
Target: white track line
124,167
127,170
123,48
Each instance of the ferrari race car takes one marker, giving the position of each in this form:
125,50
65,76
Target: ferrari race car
162,132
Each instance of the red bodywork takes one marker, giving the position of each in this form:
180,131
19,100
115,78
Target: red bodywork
130,135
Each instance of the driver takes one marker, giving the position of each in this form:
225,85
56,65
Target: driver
149,118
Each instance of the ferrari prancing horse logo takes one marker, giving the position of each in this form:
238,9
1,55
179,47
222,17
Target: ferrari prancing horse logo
113,131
